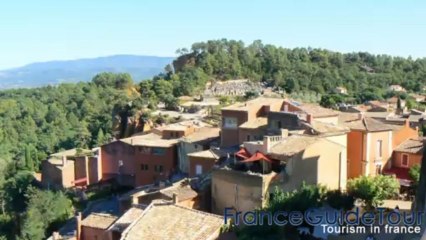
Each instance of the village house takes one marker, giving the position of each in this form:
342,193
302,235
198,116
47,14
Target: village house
157,156
94,227
140,160
203,162
281,161
406,155
181,192
371,143
69,168
202,138
248,121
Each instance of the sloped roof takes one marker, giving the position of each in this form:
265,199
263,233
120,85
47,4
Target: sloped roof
354,122
411,146
126,219
167,221
98,220
182,192
210,153
256,123
292,145
149,140
324,128
317,111
203,133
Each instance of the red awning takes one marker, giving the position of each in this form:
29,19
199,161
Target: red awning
81,181
243,153
258,156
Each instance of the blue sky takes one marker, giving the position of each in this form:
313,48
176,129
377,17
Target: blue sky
32,31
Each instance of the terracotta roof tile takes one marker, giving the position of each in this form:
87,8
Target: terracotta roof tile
203,133
256,123
353,121
166,221
292,145
317,111
98,220
126,219
183,192
411,146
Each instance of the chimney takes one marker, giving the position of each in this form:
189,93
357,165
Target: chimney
407,123
135,200
266,109
284,133
64,160
175,198
266,144
55,236
309,118
78,220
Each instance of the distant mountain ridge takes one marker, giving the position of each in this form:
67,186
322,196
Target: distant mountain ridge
55,72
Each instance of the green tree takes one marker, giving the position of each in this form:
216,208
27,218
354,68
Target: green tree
410,103
373,190
14,191
46,211
100,139
414,174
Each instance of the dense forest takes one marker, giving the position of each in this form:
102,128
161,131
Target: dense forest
302,69
35,123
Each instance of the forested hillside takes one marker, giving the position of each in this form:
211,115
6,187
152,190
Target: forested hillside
301,69
37,122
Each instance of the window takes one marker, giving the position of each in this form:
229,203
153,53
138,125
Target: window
158,168
198,169
144,167
379,149
248,137
230,122
276,124
404,160
158,151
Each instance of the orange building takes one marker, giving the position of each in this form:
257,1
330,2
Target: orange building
70,168
150,158
139,160
371,144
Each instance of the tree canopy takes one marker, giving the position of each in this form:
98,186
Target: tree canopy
373,190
